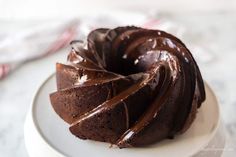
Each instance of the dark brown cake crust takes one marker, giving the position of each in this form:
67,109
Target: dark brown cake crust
128,86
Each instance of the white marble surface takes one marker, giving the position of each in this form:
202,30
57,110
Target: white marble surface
215,34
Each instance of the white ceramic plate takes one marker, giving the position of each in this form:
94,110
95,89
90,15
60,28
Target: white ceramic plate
46,134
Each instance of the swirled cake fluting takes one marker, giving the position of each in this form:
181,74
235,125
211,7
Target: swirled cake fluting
128,86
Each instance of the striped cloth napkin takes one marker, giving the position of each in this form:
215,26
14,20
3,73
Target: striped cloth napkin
47,39
30,45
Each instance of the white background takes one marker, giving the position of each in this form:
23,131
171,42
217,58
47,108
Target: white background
34,9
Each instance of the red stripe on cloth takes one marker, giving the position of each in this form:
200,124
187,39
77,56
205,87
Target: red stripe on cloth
4,70
150,23
1,71
63,40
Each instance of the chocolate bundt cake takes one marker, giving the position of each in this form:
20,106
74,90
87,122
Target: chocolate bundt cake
128,86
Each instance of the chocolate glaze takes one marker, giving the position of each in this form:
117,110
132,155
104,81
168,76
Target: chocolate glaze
128,86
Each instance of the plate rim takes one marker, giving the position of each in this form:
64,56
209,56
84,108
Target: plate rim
59,152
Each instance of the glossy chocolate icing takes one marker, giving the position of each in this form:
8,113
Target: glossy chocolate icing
128,86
